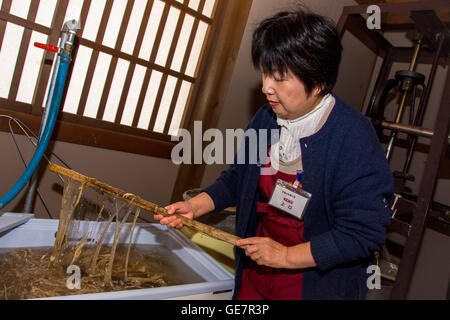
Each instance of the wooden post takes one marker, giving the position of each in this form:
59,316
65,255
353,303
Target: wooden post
209,96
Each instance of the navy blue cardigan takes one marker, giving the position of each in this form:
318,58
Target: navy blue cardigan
346,172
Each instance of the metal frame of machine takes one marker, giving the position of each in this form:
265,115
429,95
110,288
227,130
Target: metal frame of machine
435,34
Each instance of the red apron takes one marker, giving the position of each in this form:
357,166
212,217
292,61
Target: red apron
262,282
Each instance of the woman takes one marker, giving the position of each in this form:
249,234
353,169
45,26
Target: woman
327,157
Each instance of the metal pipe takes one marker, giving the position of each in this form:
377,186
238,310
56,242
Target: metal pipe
43,144
405,89
413,63
412,66
381,78
411,120
413,130
65,49
424,101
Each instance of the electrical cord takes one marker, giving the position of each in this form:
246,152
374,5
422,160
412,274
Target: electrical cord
23,160
33,140
25,164
23,126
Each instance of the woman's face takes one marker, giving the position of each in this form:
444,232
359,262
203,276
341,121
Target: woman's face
287,96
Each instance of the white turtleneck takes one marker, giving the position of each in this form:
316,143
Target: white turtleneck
293,130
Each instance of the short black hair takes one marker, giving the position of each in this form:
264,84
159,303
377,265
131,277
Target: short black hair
303,42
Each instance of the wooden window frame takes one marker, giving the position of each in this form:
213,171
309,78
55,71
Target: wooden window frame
204,103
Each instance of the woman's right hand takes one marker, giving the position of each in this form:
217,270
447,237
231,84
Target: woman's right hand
183,208
192,208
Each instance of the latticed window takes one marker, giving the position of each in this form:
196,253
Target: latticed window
135,68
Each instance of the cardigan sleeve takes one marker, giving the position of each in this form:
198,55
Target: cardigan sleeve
361,188
225,190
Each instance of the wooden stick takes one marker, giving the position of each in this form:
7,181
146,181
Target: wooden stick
138,201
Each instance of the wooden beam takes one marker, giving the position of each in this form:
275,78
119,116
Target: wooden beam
107,137
401,7
390,20
425,197
374,40
429,24
216,73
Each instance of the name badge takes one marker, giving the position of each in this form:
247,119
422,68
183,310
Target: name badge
290,199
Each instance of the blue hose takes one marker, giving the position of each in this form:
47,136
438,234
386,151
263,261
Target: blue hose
45,139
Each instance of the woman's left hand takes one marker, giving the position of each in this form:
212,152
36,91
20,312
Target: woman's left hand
265,251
